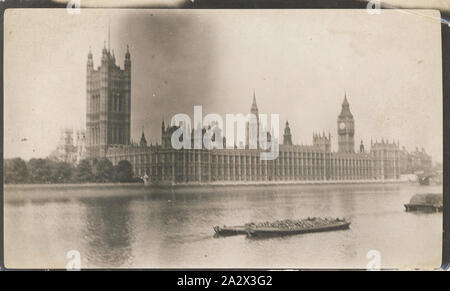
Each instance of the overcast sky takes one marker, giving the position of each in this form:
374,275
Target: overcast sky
300,63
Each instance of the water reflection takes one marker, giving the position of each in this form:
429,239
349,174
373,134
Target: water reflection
108,232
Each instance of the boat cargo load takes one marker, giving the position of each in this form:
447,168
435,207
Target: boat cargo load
285,227
425,202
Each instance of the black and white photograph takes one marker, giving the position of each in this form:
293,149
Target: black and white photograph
222,139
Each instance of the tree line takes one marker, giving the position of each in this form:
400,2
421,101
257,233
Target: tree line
48,171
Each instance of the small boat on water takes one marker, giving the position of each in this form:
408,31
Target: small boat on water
284,227
425,202
424,181
433,178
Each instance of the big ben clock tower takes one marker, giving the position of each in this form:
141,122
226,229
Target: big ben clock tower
346,129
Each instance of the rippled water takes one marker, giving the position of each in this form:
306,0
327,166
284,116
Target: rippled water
129,226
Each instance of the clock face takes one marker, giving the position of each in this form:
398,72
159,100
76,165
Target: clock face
342,125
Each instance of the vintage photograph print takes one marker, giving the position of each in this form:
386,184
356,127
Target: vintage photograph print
158,138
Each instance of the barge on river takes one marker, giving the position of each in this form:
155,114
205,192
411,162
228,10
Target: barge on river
430,202
284,227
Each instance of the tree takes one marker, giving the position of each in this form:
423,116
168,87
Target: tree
103,170
40,171
83,172
124,172
15,171
62,172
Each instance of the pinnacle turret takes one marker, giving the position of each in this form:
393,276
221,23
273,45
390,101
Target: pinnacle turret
127,54
254,108
345,110
143,141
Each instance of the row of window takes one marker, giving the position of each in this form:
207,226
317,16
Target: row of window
193,174
117,103
95,103
116,135
95,135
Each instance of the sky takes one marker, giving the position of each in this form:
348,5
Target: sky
300,63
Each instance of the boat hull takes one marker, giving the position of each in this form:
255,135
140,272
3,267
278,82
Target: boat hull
423,207
267,232
230,230
424,181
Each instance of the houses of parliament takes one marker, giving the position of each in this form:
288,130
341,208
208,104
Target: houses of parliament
108,100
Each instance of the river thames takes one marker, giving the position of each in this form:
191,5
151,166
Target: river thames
131,226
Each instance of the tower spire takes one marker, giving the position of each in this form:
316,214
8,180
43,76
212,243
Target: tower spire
254,108
254,99
346,128
109,34
345,110
127,55
143,141
287,137
90,54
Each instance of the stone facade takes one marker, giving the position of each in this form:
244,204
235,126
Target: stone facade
386,159
70,149
415,161
165,165
108,103
346,129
